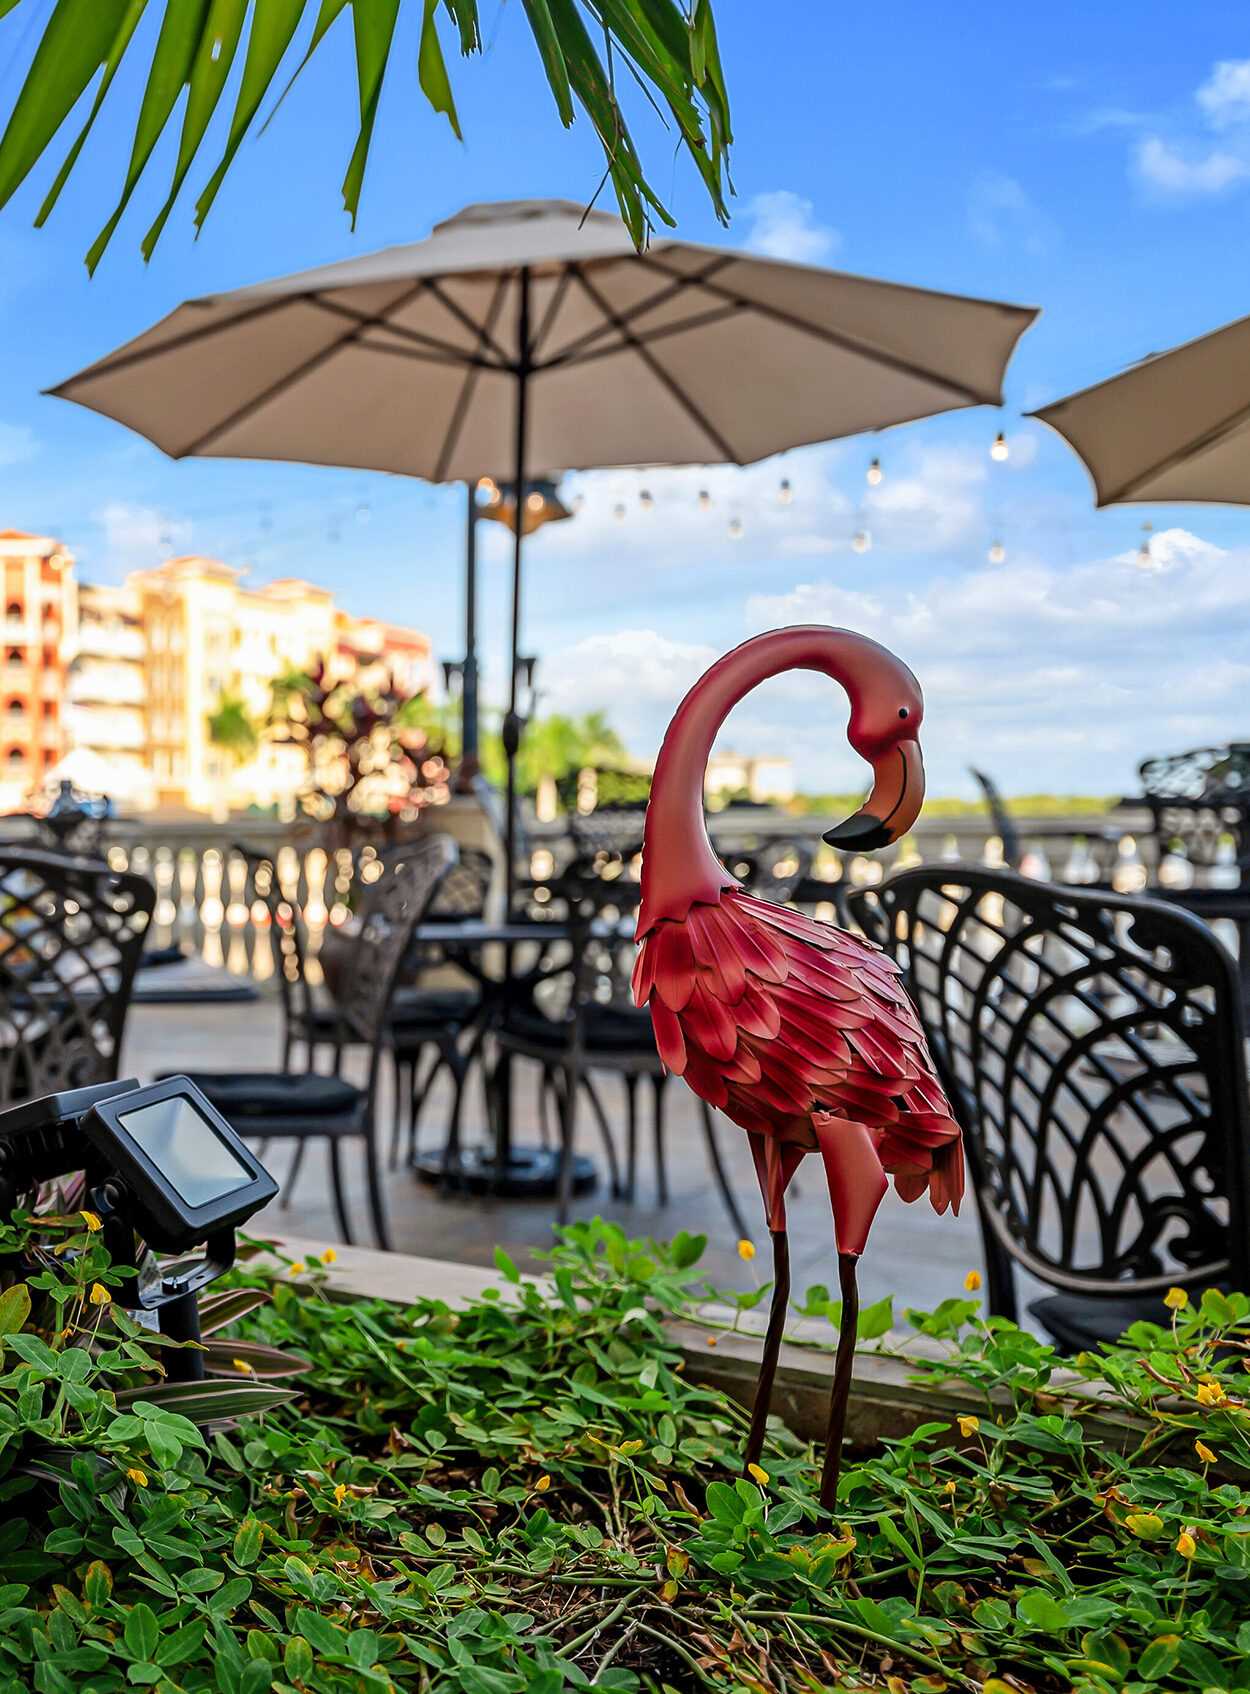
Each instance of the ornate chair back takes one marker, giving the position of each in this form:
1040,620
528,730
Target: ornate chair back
71,935
1198,801
1092,1046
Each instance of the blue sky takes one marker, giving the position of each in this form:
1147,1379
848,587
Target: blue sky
1054,157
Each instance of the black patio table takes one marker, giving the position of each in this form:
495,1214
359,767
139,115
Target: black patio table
505,1168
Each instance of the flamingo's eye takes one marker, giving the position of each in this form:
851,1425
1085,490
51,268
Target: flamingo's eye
903,712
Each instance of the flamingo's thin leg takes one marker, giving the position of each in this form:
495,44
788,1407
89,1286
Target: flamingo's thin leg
843,1365
772,1347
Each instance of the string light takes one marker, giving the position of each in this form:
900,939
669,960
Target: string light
997,553
1144,556
1000,450
874,475
618,511
534,502
705,499
861,541
362,513
785,493
578,501
646,499
735,529
488,488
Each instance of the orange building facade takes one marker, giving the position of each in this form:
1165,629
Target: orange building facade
40,615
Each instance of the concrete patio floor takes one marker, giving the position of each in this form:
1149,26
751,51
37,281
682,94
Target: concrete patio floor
913,1254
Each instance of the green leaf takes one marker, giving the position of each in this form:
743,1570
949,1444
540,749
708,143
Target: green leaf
432,70
687,1249
181,31
876,1320
319,1632
140,1631
14,1309
506,1267
1042,1610
374,27
75,43
274,23
1159,1658
247,1542
297,1659
210,1401
724,1503
552,55
122,39
211,66
177,1648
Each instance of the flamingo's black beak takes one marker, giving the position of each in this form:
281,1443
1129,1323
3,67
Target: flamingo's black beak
892,807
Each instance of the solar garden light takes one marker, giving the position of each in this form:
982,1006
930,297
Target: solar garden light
165,1173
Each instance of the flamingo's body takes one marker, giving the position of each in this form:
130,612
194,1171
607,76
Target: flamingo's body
798,1031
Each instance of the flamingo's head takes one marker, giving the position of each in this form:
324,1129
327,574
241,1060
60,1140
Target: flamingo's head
886,713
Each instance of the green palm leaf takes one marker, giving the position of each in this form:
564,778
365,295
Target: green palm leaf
668,47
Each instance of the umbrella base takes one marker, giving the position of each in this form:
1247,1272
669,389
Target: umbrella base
530,1173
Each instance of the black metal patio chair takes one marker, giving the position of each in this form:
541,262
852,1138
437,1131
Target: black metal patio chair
301,1107
71,935
1092,1047
582,1024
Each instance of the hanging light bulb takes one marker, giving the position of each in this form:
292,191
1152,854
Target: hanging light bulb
618,511
578,501
997,553
488,488
874,474
535,502
735,529
1000,450
861,541
1144,556
362,513
785,493
705,499
646,499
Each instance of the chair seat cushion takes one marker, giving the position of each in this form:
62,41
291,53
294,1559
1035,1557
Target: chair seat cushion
425,1006
1077,1324
607,1029
258,1096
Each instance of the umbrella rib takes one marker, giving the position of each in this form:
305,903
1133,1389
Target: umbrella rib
568,354
657,370
1190,450
123,361
432,343
836,338
287,380
553,306
701,320
456,421
458,312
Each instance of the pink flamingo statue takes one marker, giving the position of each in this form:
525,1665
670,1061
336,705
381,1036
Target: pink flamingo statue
798,1031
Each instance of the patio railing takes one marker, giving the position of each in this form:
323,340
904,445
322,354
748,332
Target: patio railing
201,883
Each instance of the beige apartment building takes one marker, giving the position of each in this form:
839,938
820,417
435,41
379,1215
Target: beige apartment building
157,656
39,633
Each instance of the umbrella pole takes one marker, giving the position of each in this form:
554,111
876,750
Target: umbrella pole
468,677
512,721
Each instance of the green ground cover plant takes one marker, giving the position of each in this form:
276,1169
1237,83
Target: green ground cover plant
528,1495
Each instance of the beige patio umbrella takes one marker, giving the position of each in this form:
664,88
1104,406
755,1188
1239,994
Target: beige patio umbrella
526,337
1174,427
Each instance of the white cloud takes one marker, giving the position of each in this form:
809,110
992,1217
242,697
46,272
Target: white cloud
1001,214
1057,679
933,502
18,443
783,226
1225,96
136,537
1170,171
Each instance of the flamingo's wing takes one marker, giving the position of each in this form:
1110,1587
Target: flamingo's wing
771,1015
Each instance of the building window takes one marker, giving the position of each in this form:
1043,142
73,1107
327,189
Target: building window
16,756
13,612
17,708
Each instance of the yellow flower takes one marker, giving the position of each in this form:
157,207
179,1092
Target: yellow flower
99,1295
542,1485
1186,1546
1210,1394
972,1281
91,1220
138,1477
948,1487
969,1426
1176,1299
758,1474
242,1365
296,1268
746,1250
711,1341
329,1256
340,1493
1204,1452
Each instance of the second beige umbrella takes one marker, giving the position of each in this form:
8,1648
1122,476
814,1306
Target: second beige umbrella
1175,427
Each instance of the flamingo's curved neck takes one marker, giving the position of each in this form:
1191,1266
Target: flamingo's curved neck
679,867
